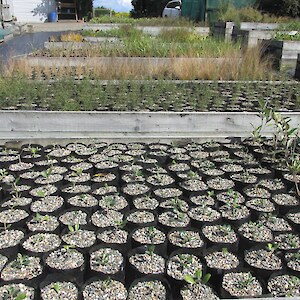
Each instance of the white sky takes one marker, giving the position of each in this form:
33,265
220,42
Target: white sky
117,5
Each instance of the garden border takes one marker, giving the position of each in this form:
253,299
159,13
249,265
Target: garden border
53,126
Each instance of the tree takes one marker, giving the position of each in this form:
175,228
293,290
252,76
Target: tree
148,8
281,7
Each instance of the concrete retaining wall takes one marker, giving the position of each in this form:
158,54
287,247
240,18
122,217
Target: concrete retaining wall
251,38
133,126
118,61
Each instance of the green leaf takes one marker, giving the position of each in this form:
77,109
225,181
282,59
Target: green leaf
206,278
198,274
76,227
21,296
189,279
71,229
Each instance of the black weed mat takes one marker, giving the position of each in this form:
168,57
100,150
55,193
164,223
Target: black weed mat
148,221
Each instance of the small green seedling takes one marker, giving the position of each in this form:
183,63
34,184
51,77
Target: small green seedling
197,278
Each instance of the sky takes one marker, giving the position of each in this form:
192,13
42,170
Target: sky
117,5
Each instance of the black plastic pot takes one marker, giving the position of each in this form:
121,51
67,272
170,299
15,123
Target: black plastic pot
148,278
193,250
160,248
119,275
57,277
122,247
132,271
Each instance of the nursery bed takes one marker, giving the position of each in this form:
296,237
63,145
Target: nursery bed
179,179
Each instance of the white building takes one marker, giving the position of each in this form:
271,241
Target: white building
30,10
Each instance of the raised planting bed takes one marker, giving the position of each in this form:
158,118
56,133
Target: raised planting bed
251,38
283,53
184,246
225,30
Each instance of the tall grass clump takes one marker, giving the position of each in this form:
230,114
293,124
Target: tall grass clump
228,12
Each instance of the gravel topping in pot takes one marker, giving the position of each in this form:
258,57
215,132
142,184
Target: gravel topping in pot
284,286
65,259
74,217
293,260
43,191
223,260
178,167
148,290
83,200
113,236
294,217
10,238
61,152
140,216
106,260
80,238
198,291
160,179
234,211
149,235
3,261
261,204
272,184
77,189
256,231
167,192
263,259
23,267
145,203
186,238
30,175
103,177
257,192
220,233
174,219
21,166
81,166
287,241
202,200
285,199
204,214
244,177
114,202
42,242
275,223
51,179
9,216
106,218
48,204
175,203
220,184
193,185
42,223
242,284
60,290
148,263
106,289
12,290
17,201
59,170
77,177
135,189
231,196
180,265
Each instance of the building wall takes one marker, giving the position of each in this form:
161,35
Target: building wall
31,10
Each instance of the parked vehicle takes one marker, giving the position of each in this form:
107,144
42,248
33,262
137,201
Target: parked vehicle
172,9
